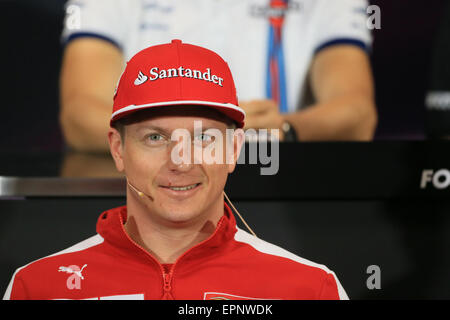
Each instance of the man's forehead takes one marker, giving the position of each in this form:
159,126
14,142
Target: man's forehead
182,113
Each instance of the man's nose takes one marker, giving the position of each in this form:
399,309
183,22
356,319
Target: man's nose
181,154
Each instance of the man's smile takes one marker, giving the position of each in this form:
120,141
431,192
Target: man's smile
180,192
182,187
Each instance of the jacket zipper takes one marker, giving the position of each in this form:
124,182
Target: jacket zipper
167,277
170,274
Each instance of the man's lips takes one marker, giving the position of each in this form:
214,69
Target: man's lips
180,187
180,192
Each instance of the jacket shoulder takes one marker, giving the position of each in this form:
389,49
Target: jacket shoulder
32,274
281,261
268,248
79,248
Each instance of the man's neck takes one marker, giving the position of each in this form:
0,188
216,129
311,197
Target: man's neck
167,242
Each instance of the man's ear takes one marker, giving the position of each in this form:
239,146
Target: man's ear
116,148
236,144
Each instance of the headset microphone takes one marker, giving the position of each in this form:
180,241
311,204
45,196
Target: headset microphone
237,212
140,193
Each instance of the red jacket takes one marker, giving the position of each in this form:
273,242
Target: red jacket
230,264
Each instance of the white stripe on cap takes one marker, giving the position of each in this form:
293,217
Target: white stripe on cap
178,102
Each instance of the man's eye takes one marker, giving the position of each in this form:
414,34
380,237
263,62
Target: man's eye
204,137
155,137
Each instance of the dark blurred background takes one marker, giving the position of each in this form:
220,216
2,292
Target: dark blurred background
401,61
31,58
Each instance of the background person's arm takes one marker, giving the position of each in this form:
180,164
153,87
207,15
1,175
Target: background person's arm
90,70
341,81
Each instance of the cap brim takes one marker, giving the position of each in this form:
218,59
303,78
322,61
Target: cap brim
230,110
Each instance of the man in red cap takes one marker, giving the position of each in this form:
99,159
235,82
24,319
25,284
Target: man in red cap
176,238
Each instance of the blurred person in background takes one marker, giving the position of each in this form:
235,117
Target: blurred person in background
438,96
302,66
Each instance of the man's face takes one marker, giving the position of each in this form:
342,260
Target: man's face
178,192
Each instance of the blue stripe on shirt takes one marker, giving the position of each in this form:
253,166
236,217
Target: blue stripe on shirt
78,35
338,41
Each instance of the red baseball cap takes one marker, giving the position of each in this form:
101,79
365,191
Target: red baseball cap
175,74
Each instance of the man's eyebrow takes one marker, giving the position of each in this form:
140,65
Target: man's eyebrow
153,127
204,128
167,131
